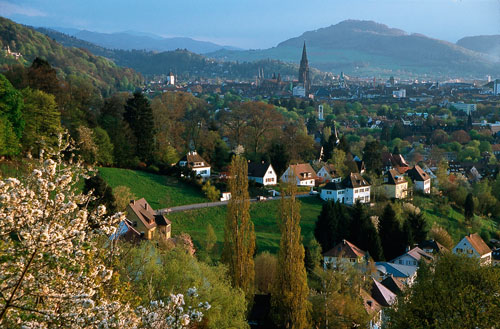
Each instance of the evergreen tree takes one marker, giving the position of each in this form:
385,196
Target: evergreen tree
139,115
313,257
332,225
407,234
391,235
344,145
102,192
329,147
363,233
239,235
289,296
418,226
469,207
385,135
279,157
372,156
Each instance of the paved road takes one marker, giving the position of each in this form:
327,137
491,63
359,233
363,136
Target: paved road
216,204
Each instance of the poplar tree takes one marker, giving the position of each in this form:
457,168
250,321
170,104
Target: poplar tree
239,234
289,296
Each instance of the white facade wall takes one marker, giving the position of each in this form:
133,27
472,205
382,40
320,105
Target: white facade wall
298,182
334,195
423,186
465,248
204,172
359,193
405,260
269,178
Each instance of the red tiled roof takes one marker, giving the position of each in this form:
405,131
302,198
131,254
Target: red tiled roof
478,244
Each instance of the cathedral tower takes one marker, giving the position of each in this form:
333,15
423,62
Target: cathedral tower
304,71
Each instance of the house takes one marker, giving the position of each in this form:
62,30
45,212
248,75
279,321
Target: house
344,253
327,173
473,246
495,257
147,222
225,196
375,301
352,189
404,273
195,163
393,285
413,257
395,185
432,247
394,161
301,174
262,173
421,179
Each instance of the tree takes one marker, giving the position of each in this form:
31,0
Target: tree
418,226
313,257
139,116
123,195
43,120
398,131
391,235
469,207
211,192
338,303
279,156
372,156
265,272
101,192
289,302
332,225
239,235
11,105
363,233
53,267
210,238
439,234
455,291
338,160
104,146
87,147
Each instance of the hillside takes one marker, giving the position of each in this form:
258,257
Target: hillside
104,74
369,48
184,63
487,44
131,41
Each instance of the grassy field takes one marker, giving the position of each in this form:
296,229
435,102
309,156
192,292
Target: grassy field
159,191
453,220
264,216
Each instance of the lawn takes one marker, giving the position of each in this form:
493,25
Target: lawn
453,221
160,191
263,214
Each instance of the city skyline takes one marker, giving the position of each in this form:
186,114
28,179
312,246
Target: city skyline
257,24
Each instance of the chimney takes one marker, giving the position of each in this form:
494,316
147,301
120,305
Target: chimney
407,248
146,206
132,201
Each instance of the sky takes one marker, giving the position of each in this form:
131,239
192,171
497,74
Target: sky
256,24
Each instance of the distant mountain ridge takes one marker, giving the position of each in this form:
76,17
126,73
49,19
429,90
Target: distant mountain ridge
369,48
132,40
486,44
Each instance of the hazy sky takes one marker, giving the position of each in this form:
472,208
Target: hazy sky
257,23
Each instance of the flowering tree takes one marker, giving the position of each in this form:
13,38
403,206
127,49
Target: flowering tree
159,315
50,271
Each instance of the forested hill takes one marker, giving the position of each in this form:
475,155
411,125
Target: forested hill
70,63
183,63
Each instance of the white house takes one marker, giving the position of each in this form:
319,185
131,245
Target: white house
473,246
196,163
344,253
302,174
262,173
413,257
421,179
327,173
353,188
404,273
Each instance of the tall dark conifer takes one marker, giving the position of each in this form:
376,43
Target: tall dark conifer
391,235
139,116
363,233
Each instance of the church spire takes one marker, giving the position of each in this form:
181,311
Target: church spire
304,70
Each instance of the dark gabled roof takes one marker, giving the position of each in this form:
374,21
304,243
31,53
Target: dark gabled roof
417,174
417,254
355,180
335,186
345,249
381,294
393,160
256,169
393,285
330,169
395,178
434,245
361,166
